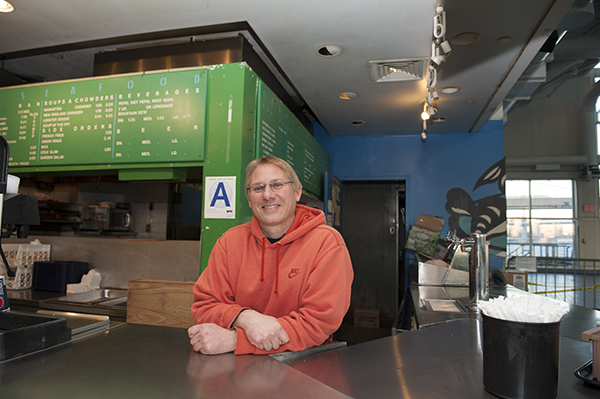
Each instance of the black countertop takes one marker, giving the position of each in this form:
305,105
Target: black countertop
31,297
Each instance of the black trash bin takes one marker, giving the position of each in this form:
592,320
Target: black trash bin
55,275
520,360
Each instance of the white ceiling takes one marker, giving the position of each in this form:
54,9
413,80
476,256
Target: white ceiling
293,31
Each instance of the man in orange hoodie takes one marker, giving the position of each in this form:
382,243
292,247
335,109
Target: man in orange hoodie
281,282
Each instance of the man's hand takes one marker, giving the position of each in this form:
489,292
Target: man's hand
211,339
262,331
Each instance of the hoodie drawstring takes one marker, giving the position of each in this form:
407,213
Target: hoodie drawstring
277,269
262,261
262,265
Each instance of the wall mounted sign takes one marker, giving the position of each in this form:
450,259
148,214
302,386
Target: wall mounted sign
219,197
126,119
282,135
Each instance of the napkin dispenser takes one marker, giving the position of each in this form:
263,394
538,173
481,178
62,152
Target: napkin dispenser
594,336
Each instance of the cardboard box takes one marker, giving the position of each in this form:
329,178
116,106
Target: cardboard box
517,279
433,223
366,318
440,252
422,240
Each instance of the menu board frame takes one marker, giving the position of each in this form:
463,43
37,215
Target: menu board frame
138,120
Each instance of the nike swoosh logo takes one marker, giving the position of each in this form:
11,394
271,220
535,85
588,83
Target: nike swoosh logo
293,273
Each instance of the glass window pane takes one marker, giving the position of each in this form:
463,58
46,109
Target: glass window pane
517,235
517,198
554,238
540,218
552,198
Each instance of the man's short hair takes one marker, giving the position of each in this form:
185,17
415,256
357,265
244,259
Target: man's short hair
269,159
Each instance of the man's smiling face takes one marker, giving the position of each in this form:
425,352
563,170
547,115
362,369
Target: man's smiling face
274,209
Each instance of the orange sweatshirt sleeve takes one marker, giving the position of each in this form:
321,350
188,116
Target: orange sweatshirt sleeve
214,299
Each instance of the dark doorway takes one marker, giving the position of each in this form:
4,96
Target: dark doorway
373,227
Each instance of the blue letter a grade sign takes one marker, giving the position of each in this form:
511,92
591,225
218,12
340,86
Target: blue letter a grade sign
220,194
219,197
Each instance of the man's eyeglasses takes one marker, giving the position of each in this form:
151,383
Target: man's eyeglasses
260,187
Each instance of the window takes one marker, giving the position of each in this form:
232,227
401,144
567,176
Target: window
540,217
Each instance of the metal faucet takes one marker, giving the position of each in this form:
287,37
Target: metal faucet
477,247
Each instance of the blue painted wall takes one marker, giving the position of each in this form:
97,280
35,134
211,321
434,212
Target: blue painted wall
431,168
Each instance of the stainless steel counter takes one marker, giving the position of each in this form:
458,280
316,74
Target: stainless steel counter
443,361
578,320
136,361
32,300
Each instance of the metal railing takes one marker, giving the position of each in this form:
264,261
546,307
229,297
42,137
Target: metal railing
572,280
545,249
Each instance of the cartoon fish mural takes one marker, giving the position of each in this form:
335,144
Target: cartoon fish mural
485,215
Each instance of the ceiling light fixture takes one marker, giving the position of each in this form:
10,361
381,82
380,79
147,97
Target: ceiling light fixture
5,6
329,50
450,89
466,38
424,132
428,111
358,123
425,115
504,40
440,50
348,95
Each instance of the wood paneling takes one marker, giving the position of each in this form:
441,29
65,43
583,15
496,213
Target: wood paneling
160,303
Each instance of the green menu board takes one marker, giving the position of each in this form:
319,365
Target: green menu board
112,121
282,135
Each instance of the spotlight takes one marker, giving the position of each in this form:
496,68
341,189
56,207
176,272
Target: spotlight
423,135
436,56
438,59
432,77
435,95
425,114
445,46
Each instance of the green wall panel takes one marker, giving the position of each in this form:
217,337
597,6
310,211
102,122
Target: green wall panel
230,144
155,125
282,135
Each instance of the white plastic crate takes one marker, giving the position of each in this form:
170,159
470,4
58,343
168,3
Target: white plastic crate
21,258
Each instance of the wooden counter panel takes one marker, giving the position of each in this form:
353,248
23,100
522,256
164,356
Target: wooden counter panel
160,303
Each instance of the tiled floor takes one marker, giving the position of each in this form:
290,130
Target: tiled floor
355,335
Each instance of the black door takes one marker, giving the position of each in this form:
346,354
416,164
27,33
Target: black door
373,228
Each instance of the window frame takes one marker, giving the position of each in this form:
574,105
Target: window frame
533,225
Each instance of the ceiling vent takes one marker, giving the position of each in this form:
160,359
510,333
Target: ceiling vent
398,70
